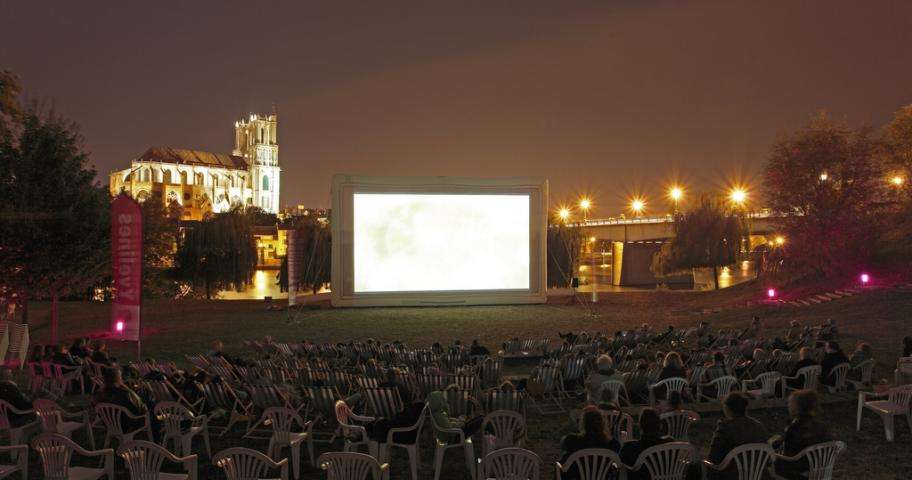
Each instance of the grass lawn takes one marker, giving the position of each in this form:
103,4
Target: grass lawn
880,317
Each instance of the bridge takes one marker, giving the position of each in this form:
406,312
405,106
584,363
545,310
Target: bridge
659,228
619,251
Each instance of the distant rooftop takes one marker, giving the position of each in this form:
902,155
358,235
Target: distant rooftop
193,157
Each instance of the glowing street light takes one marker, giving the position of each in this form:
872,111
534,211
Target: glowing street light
771,293
865,278
779,240
824,176
585,203
676,193
563,213
897,181
738,195
637,205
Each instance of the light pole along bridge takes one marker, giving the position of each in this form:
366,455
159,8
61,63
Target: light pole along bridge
619,251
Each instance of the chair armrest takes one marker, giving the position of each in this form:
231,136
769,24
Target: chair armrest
713,466
20,412
864,396
361,418
92,453
11,448
136,417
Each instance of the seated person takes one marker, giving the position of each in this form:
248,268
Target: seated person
478,349
650,436
79,348
10,393
118,393
604,371
673,366
439,410
674,403
833,357
804,360
593,434
736,429
100,354
637,383
804,430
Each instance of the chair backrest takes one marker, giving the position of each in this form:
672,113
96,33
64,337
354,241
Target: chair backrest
159,389
349,466
491,369
245,464
811,375
574,369
723,386
592,463
266,396
677,423
171,414
383,402
901,396
343,414
110,415
751,460
839,373
459,400
667,461
511,464
619,424
673,384
282,420
821,459
507,427
550,377
143,459
768,382
904,364
613,386
55,451
504,399
50,414
218,395
867,370
322,401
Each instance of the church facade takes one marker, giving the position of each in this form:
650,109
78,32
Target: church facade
204,182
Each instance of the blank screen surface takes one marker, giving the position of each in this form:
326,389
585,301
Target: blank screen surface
440,242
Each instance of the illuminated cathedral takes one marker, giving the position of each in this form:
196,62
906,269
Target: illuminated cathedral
204,182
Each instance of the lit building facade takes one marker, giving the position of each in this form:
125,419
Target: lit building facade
203,182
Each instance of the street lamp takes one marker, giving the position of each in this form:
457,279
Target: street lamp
738,196
779,240
897,180
675,193
637,205
824,176
585,204
563,214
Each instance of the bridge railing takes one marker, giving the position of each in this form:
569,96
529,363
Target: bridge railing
600,222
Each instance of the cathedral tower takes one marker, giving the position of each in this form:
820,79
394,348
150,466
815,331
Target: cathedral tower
255,140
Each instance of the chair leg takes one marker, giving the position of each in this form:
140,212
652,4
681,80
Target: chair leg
413,457
888,426
858,418
438,461
470,458
296,459
310,451
206,442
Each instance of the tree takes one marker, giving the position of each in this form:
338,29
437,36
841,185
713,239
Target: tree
161,230
218,253
564,245
826,179
706,236
315,239
895,244
54,218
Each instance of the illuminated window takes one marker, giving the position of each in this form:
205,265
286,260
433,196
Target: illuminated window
265,183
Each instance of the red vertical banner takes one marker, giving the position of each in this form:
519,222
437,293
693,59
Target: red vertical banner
126,259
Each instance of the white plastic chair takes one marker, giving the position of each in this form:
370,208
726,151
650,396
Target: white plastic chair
354,436
144,460
53,420
509,464
673,384
667,461
839,374
172,415
20,455
896,404
903,371
866,372
821,460
282,421
16,434
245,464
767,381
56,451
809,375
619,424
455,439
751,459
677,423
616,387
410,448
591,464
507,430
111,416
722,385
351,466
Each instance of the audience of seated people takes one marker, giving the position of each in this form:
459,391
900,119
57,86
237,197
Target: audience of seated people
646,358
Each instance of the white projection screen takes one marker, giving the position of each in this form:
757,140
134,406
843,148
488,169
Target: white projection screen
438,241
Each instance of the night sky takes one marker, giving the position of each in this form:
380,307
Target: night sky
605,97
